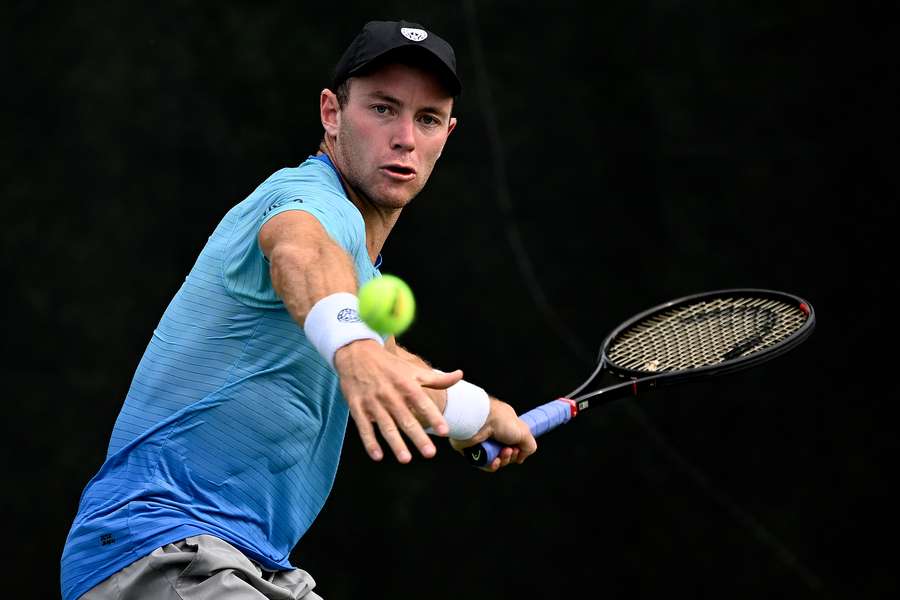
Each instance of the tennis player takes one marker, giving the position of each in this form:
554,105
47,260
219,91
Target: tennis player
228,441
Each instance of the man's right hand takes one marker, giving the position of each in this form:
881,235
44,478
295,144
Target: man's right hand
383,389
504,426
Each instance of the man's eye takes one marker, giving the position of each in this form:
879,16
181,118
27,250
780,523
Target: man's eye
381,109
429,120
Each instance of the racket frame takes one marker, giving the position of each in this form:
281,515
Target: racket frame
737,364
633,382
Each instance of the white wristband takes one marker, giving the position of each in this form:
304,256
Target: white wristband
333,322
467,410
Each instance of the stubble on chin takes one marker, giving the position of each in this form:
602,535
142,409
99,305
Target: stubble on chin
373,186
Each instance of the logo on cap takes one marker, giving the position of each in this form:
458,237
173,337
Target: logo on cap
414,35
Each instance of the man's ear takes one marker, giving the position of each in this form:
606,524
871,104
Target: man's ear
450,127
329,112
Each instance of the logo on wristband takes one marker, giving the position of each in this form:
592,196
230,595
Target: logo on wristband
349,315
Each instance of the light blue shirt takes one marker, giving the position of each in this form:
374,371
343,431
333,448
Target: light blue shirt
233,424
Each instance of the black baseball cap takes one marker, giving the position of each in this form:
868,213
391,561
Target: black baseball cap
379,40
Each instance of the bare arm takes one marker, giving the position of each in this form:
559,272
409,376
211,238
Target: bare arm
306,265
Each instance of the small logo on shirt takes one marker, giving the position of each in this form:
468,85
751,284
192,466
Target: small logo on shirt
348,315
275,205
414,35
106,539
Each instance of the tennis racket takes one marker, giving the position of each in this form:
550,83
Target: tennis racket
694,337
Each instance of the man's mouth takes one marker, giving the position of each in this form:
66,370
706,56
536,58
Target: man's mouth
399,171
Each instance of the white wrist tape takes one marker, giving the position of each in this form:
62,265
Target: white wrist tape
333,322
467,410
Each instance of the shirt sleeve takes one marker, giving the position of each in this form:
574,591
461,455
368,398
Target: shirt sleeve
308,188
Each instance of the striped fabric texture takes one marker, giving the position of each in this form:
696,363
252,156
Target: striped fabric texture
233,424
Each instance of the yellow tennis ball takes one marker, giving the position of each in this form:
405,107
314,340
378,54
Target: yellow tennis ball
387,304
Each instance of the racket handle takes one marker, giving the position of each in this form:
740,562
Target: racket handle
540,420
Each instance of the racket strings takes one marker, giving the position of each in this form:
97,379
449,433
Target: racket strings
705,333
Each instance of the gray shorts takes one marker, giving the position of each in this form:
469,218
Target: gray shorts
202,568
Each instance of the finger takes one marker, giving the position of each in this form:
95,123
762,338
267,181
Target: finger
391,434
410,425
438,379
429,413
524,453
366,433
495,464
413,430
528,445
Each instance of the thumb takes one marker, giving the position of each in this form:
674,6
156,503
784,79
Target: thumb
440,380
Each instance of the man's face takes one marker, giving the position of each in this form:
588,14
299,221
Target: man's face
391,132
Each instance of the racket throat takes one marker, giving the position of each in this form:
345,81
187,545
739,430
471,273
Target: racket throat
573,406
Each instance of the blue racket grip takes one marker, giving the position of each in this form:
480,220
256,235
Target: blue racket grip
540,420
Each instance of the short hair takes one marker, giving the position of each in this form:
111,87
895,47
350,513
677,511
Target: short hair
343,93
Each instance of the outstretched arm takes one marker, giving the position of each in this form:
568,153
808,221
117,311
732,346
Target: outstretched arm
306,267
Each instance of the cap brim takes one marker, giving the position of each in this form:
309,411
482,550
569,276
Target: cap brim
446,74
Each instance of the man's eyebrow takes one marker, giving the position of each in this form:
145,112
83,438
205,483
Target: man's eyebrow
385,97
379,95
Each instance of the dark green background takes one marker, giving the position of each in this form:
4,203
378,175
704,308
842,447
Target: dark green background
619,154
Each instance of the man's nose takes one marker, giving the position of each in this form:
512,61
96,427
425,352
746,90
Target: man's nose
404,135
